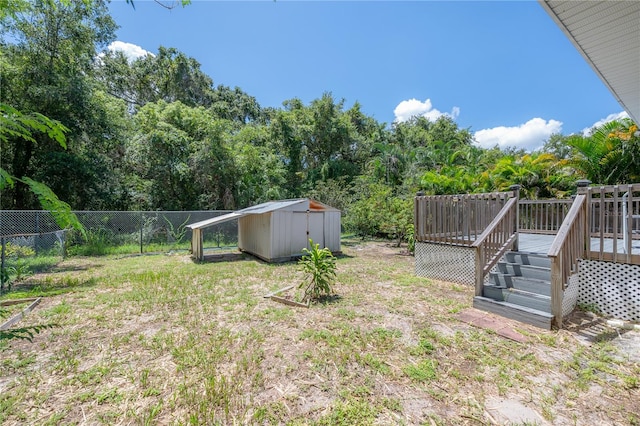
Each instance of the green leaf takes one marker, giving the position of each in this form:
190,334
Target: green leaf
6,180
60,210
14,123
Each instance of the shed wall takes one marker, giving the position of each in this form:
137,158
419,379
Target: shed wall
281,234
254,234
332,231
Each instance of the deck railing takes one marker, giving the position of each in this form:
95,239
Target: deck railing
542,216
456,219
600,223
500,236
614,223
567,249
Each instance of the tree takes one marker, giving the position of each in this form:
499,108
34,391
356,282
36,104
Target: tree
14,124
540,175
47,66
169,76
235,105
179,159
558,146
610,155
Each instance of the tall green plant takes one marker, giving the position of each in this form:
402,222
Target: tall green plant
320,267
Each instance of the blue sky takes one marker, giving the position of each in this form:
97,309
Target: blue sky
504,70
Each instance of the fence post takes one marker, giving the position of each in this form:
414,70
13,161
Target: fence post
2,269
64,244
141,226
516,194
36,238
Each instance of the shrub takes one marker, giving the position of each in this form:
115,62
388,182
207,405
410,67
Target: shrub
320,267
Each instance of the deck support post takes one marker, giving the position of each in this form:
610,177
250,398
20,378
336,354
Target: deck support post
479,279
557,291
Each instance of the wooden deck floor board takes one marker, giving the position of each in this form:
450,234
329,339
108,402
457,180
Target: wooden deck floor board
540,243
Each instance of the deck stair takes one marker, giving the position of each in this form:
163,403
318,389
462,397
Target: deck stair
519,288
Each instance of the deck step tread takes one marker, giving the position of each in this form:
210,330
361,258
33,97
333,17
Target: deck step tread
528,284
520,313
521,265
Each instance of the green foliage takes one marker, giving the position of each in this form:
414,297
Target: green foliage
96,242
411,238
423,371
20,271
379,213
60,210
155,133
17,251
176,234
540,175
610,155
14,123
320,267
23,333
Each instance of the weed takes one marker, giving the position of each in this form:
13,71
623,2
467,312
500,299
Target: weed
423,371
424,347
589,307
109,396
373,362
150,415
350,412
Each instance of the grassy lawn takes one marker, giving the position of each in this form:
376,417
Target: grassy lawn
158,339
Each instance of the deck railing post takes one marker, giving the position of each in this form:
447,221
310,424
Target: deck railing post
418,217
516,194
583,188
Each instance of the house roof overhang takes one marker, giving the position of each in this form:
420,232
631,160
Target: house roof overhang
607,35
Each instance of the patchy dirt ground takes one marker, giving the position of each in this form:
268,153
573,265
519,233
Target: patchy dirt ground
161,340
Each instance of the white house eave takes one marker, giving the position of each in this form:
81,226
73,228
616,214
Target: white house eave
607,35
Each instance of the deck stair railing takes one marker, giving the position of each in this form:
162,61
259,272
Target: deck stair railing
567,249
498,237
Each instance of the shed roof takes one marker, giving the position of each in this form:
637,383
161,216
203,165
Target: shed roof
267,207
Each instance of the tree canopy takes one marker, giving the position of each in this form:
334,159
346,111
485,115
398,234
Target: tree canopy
106,132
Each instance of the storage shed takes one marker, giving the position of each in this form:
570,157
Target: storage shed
277,231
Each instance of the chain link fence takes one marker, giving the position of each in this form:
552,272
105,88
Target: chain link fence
29,235
142,232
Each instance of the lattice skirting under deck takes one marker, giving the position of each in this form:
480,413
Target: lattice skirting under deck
570,297
444,262
612,288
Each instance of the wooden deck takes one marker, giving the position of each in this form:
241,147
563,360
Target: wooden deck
540,243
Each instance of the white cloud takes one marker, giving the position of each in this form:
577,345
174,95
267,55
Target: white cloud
131,51
618,116
413,107
529,136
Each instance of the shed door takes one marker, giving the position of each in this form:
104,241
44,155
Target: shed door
314,223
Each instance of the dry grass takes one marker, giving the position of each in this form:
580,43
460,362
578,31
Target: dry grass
161,340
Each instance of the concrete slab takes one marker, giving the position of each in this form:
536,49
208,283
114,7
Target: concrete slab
512,411
501,326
